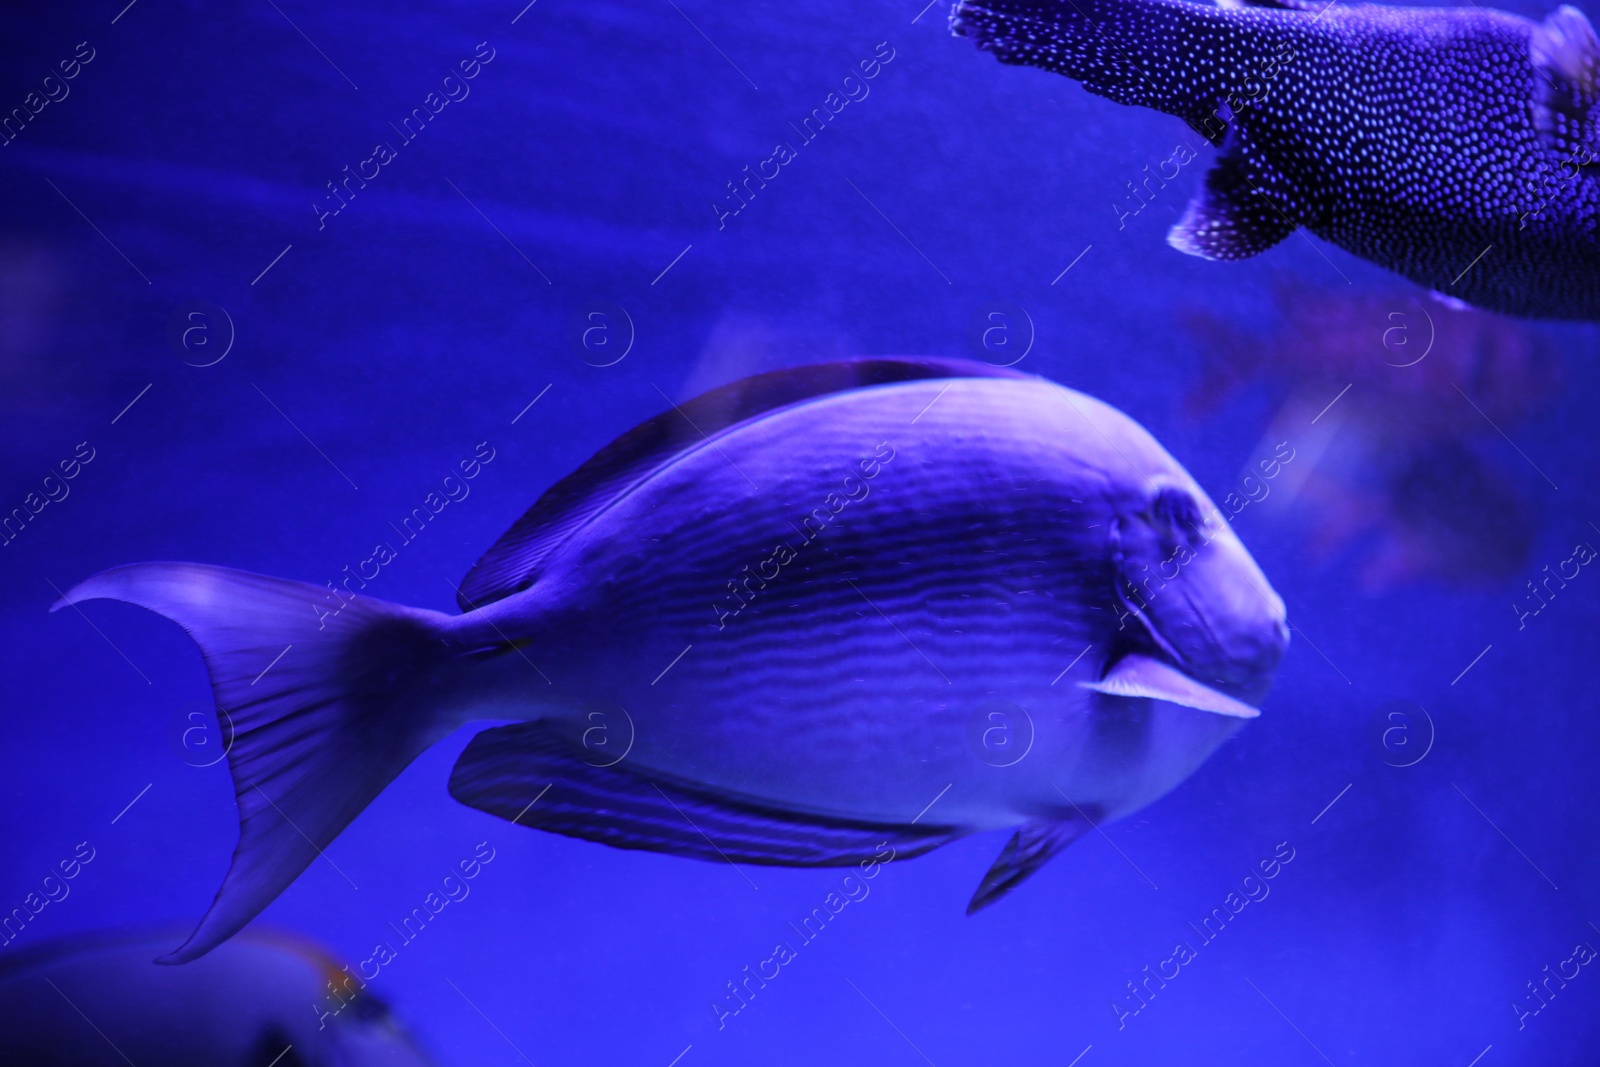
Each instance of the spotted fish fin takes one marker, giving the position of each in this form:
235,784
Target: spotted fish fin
1566,107
1142,676
1233,217
529,774
514,562
1030,848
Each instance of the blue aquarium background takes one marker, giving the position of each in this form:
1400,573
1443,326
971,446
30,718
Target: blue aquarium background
244,368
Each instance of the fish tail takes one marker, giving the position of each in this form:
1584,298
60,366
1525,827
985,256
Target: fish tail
1169,55
328,700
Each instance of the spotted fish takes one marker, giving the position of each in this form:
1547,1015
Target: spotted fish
819,617
1459,147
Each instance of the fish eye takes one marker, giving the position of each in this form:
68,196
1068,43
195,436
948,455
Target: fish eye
1176,515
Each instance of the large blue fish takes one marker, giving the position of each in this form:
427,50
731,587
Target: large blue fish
819,611
1459,147
95,1000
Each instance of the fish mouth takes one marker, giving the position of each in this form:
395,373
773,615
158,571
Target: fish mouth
1235,658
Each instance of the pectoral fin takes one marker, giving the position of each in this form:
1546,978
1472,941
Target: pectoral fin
1142,676
1029,849
1235,216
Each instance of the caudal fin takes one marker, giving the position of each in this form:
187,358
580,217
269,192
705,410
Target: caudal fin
327,708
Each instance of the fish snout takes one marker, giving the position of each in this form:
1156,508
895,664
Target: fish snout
1237,624
1201,596
1259,640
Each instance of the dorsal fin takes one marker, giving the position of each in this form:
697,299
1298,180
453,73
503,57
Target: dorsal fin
513,564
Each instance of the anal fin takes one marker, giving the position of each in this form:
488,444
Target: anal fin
506,771
1030,848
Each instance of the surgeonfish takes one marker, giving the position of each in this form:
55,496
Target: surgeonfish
96,1000
797,609
1455,146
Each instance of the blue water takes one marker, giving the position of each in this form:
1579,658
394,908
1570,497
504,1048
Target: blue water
371,354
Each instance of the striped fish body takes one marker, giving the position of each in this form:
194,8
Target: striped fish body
850,604
1459,147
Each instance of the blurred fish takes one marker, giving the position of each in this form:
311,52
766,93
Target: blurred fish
1393,400
98,1000
1459,147
1438,511
1401,352
807,591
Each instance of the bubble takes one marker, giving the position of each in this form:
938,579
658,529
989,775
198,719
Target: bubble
200,334
1402,733
199,734
1000,733
1001,334
602,334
